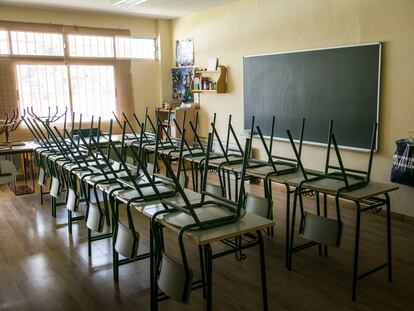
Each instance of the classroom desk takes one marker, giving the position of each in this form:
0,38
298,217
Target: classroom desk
28,147
365,199
25,150
248,224
203,238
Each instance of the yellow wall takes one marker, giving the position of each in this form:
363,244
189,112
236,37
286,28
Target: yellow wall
251,27
146,76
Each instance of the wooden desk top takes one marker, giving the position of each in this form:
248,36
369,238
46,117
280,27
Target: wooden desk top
374,188
329,186
263,171
249,223
29,146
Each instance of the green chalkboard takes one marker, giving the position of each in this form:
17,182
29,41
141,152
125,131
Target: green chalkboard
339,84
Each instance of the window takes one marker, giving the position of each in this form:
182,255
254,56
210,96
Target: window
36,43
90,46
93,90
127,47
4,42
73,68
42,86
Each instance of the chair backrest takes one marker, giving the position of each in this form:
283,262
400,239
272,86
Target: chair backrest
275,159
226,150
346,172
257,205
237,208
132,178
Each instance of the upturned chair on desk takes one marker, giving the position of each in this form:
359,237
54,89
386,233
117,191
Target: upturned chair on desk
138,186
337,180
174,279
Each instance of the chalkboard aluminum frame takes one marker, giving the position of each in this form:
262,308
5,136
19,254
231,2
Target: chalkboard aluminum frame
330,48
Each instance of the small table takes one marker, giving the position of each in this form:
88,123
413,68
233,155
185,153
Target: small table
366,198
249,224
25,150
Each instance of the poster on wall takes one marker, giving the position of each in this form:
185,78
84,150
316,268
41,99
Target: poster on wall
184,52
181,79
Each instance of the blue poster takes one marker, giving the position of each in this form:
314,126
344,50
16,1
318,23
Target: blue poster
181,79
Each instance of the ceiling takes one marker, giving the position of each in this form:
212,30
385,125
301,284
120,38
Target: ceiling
150,8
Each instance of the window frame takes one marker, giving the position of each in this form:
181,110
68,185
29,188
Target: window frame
138,58
122,66
31,55
67,47
46,63
8,42
86,62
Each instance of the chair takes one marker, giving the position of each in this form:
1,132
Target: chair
173,278
321,229
257,205
138,186
99,213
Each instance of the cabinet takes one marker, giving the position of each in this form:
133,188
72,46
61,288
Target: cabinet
178,114
213,81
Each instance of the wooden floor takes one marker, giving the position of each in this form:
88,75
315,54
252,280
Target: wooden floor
43,268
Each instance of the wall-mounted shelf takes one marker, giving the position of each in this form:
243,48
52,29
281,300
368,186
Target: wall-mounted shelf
216,80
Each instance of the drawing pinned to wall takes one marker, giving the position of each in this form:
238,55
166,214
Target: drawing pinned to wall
184,52
182,78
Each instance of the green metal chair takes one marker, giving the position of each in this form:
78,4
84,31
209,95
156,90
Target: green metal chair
322,230
176,279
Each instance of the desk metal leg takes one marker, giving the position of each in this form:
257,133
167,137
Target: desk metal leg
53,207
236,185
197,167
270,194
192,174
356,251
153,283
292,230
209,275
318,211
41,195
89,243
325,214
203,271
263,270
69,222
287,231
389,250
228,184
